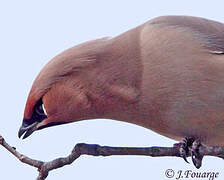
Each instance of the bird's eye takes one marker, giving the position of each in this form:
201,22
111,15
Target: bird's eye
40,109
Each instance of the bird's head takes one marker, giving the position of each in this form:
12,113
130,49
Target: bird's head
58,94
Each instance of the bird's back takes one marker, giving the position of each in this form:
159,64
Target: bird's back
209,32
183,77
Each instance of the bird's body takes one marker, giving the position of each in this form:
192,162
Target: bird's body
166,75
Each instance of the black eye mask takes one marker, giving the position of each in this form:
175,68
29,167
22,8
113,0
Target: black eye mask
29,125
38,112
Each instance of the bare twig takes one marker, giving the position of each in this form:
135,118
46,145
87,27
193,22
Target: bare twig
96,150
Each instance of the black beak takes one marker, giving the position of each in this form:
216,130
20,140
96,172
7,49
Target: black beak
27,129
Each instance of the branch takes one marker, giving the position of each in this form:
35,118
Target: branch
96,150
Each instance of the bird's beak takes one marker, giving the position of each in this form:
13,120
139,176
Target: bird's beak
27,129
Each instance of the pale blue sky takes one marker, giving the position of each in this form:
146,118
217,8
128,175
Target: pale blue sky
31,33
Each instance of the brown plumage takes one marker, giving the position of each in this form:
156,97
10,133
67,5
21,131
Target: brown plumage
166,75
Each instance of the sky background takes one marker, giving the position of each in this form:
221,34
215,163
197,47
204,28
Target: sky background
33,32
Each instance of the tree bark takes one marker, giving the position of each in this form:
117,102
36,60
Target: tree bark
96,150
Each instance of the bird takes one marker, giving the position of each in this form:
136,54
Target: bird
166,75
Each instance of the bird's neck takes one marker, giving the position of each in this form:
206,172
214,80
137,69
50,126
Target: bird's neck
115,83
